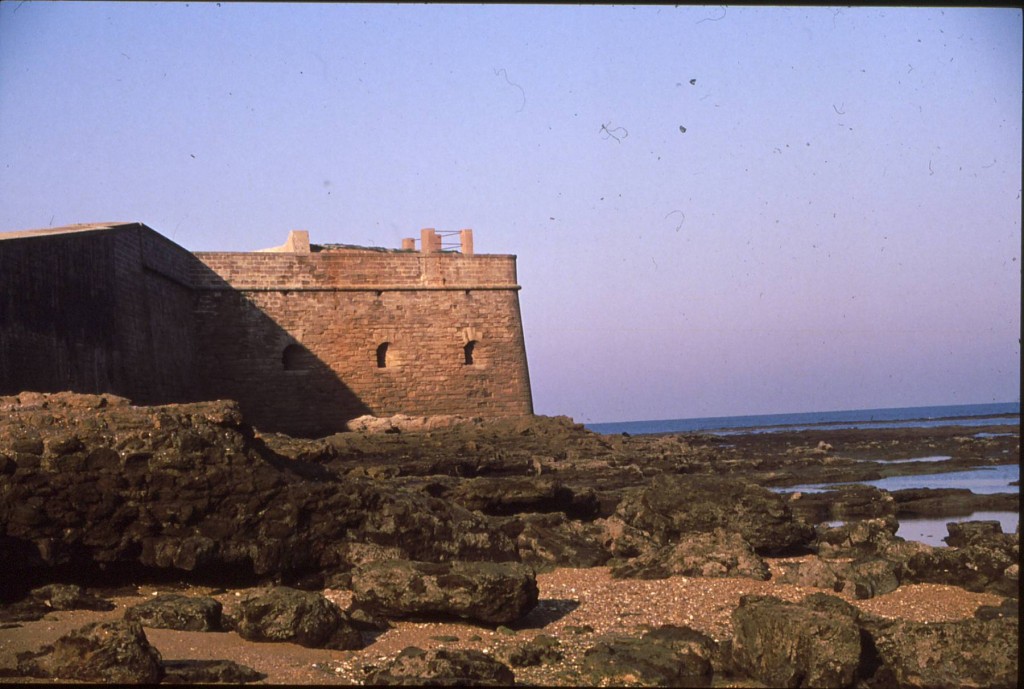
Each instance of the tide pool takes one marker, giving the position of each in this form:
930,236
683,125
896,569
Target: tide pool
982,480
931,530
937,458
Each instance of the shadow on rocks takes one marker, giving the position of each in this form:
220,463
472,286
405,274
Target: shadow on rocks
667,656
443,667
46,599
824,641
209,672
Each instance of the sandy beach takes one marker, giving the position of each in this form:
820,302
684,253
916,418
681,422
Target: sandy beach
576,606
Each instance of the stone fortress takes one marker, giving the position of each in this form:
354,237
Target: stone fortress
304,337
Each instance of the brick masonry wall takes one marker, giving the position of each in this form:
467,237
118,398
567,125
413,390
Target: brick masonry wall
296,336
352,269
108,310
293,337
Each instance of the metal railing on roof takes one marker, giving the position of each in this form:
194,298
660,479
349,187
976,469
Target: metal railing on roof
449,245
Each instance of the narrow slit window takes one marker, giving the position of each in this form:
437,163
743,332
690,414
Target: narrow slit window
468,352
382,355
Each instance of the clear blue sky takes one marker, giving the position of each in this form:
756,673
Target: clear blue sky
838,227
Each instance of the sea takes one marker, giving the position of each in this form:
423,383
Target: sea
931,531
901,417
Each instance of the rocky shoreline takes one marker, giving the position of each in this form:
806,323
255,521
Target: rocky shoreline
340,548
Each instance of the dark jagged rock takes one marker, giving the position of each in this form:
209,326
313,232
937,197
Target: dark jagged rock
110,652
787,645
416,527
443,668
96,490
188,488
300,617
492,593
209,672
715,554
988,560
672,506
966,653
945,502
843,504
861,538
515,495
694,646
46,599
812,571
69,597
866,577
665,657
174,611
623,540
553,540
510,447
1008,607
968,533
540,650
989,566
870,577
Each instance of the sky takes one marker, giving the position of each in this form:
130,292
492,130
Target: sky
716,210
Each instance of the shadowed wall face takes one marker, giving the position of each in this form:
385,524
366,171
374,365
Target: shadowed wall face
97,311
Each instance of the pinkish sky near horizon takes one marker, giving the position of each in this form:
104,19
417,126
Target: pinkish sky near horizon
716,210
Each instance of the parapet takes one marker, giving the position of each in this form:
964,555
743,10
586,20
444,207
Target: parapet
432,241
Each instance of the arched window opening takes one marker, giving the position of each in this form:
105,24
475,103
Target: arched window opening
382,355
468,352
292,358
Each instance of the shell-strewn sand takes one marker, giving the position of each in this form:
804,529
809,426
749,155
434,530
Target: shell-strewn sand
571,601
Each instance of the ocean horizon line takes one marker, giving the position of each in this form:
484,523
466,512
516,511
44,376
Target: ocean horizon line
869,415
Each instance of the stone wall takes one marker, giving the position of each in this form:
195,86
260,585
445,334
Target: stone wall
307,342
96,309
304,340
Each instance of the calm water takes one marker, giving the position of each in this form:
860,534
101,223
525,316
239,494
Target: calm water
935,458
982,480
903,417
930,531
